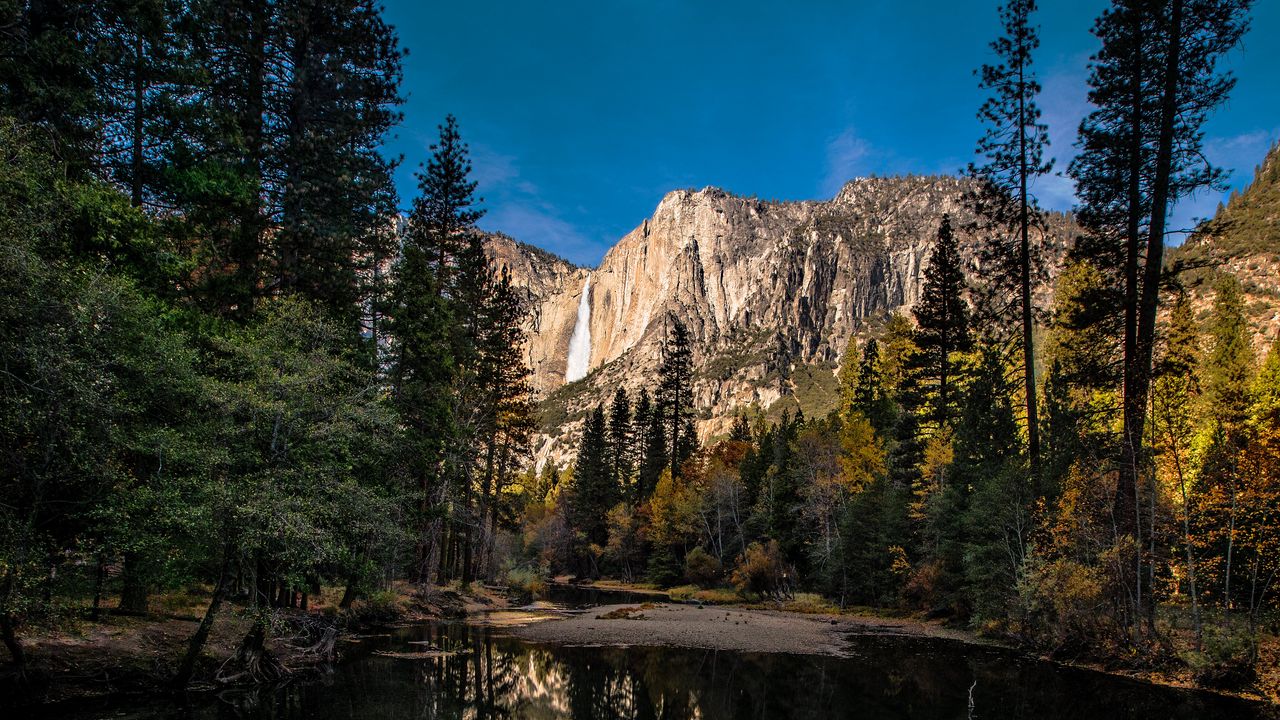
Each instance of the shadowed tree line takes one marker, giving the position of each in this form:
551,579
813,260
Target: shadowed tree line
223,363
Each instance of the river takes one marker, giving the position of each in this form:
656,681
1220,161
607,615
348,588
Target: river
489,674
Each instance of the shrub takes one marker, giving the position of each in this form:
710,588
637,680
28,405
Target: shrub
923,584
701,568
379,607
525,583
708,596
811,603
1227,658
665,569
1062,606
761,571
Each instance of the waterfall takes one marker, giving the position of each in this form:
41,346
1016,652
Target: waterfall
580,342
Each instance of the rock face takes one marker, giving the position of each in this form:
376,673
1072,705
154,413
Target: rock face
552,288
1242,239
771,292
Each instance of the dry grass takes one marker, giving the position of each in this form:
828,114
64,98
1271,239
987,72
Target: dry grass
706,596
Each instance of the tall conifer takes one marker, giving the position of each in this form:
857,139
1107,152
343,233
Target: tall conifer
942,320
1013,148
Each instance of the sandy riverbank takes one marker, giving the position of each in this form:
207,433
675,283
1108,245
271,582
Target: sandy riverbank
719,628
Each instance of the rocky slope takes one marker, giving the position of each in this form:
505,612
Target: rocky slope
772,292
1242,239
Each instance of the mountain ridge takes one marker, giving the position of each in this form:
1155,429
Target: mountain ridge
771,291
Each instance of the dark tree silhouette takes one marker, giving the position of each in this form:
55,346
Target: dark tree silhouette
1013,148
942,327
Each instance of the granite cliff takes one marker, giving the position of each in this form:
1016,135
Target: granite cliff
771,291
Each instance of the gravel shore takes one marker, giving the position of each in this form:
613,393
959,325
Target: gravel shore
713,628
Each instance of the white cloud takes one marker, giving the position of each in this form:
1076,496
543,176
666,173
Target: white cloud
491,169
1240,153
846,159
543,228
515,206
1064,102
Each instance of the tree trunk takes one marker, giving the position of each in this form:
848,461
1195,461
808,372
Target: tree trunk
9,633
1231,542
134,594
1126,487
9,630
99,577
477,520
258,664
349,593
196,645
1154,268
246,253
1024,262
1186,539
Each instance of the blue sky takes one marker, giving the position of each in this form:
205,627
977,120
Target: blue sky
582,115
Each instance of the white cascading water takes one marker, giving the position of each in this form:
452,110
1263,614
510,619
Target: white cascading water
580,341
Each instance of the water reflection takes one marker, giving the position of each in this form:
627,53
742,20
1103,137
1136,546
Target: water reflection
493,676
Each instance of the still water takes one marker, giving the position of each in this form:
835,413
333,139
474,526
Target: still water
492,675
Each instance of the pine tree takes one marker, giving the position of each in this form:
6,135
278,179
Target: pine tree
654,457
1266,391
675,394
871,396
1229,364
505,416
942,320
1013,147
445,212
227,158
47,73
995,530
621,439
847,374
1173,422
425,349
594,491
1153,85
145,72
334,186
779,503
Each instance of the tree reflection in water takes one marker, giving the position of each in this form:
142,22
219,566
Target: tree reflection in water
492,676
